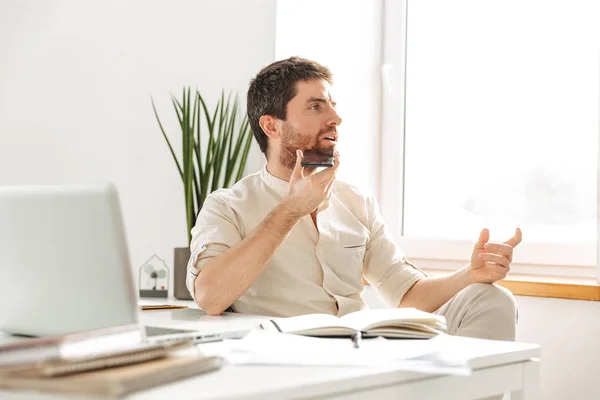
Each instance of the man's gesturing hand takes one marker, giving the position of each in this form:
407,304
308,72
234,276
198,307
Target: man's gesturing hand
307,193
490,262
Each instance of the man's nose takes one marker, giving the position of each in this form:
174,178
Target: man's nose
335,119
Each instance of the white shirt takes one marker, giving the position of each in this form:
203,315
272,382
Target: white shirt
312,271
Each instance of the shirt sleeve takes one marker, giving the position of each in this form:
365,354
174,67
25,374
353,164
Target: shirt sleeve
215,232
386,266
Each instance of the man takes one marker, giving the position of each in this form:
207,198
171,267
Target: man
288,240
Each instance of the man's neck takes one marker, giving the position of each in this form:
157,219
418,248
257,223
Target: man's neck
281,172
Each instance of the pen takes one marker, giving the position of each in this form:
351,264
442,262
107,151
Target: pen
356,339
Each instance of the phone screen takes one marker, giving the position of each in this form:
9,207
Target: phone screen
317,158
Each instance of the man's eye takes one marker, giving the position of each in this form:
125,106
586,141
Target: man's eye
315,107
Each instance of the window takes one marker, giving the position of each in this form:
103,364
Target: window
500,126
466,114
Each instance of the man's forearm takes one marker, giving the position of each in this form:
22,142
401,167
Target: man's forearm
431,293
226,277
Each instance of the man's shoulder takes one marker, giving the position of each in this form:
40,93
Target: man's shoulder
239,191
348,191
356,200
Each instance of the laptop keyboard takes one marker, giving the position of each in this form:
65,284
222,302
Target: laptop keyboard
160,331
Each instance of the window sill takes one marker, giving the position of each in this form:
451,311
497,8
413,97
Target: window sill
547,286
574,289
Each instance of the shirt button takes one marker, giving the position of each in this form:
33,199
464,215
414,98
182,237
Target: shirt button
321,251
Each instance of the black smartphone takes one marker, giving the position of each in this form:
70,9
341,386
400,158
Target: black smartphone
317,158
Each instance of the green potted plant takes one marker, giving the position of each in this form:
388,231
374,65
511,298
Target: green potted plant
207,163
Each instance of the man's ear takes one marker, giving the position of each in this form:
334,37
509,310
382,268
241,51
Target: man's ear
269,126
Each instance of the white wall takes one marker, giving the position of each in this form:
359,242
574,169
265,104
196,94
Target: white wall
75,84
569,333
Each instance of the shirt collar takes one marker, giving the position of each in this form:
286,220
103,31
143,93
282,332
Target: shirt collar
281,187
278,185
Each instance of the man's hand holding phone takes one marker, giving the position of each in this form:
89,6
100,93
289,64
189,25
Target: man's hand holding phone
307,193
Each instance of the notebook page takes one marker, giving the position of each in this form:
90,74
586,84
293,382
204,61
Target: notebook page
310,322
367,319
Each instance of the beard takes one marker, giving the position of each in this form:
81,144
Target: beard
292,140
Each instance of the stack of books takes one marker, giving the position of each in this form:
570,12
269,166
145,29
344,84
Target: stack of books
108,362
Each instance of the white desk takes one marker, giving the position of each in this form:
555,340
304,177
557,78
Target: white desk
497,367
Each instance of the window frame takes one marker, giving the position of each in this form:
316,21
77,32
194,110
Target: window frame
574,260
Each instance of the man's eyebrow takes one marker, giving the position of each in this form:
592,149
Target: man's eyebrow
319,99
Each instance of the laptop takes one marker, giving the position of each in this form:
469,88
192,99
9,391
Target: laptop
64,266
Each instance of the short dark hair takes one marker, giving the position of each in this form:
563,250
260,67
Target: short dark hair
274,86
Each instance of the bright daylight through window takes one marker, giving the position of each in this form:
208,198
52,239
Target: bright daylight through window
501,122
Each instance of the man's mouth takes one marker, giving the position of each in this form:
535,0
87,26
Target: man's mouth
330,136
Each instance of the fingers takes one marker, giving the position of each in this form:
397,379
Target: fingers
484,236
329,185
516,239
336,160
500,248
495,259
332,179
298,172
328,174
504,249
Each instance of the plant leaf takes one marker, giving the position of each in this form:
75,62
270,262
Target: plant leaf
230,165
230,122
167,140
239,142
221,142
178,109
198,153
208,167
244,156
188,170
225,155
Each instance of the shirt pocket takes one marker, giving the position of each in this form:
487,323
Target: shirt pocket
348,264
355,247
355,239
352,246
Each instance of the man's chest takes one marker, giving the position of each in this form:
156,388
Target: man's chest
332,241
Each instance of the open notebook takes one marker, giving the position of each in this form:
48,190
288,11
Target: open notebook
407,323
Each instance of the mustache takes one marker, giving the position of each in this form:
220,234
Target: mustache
330,130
